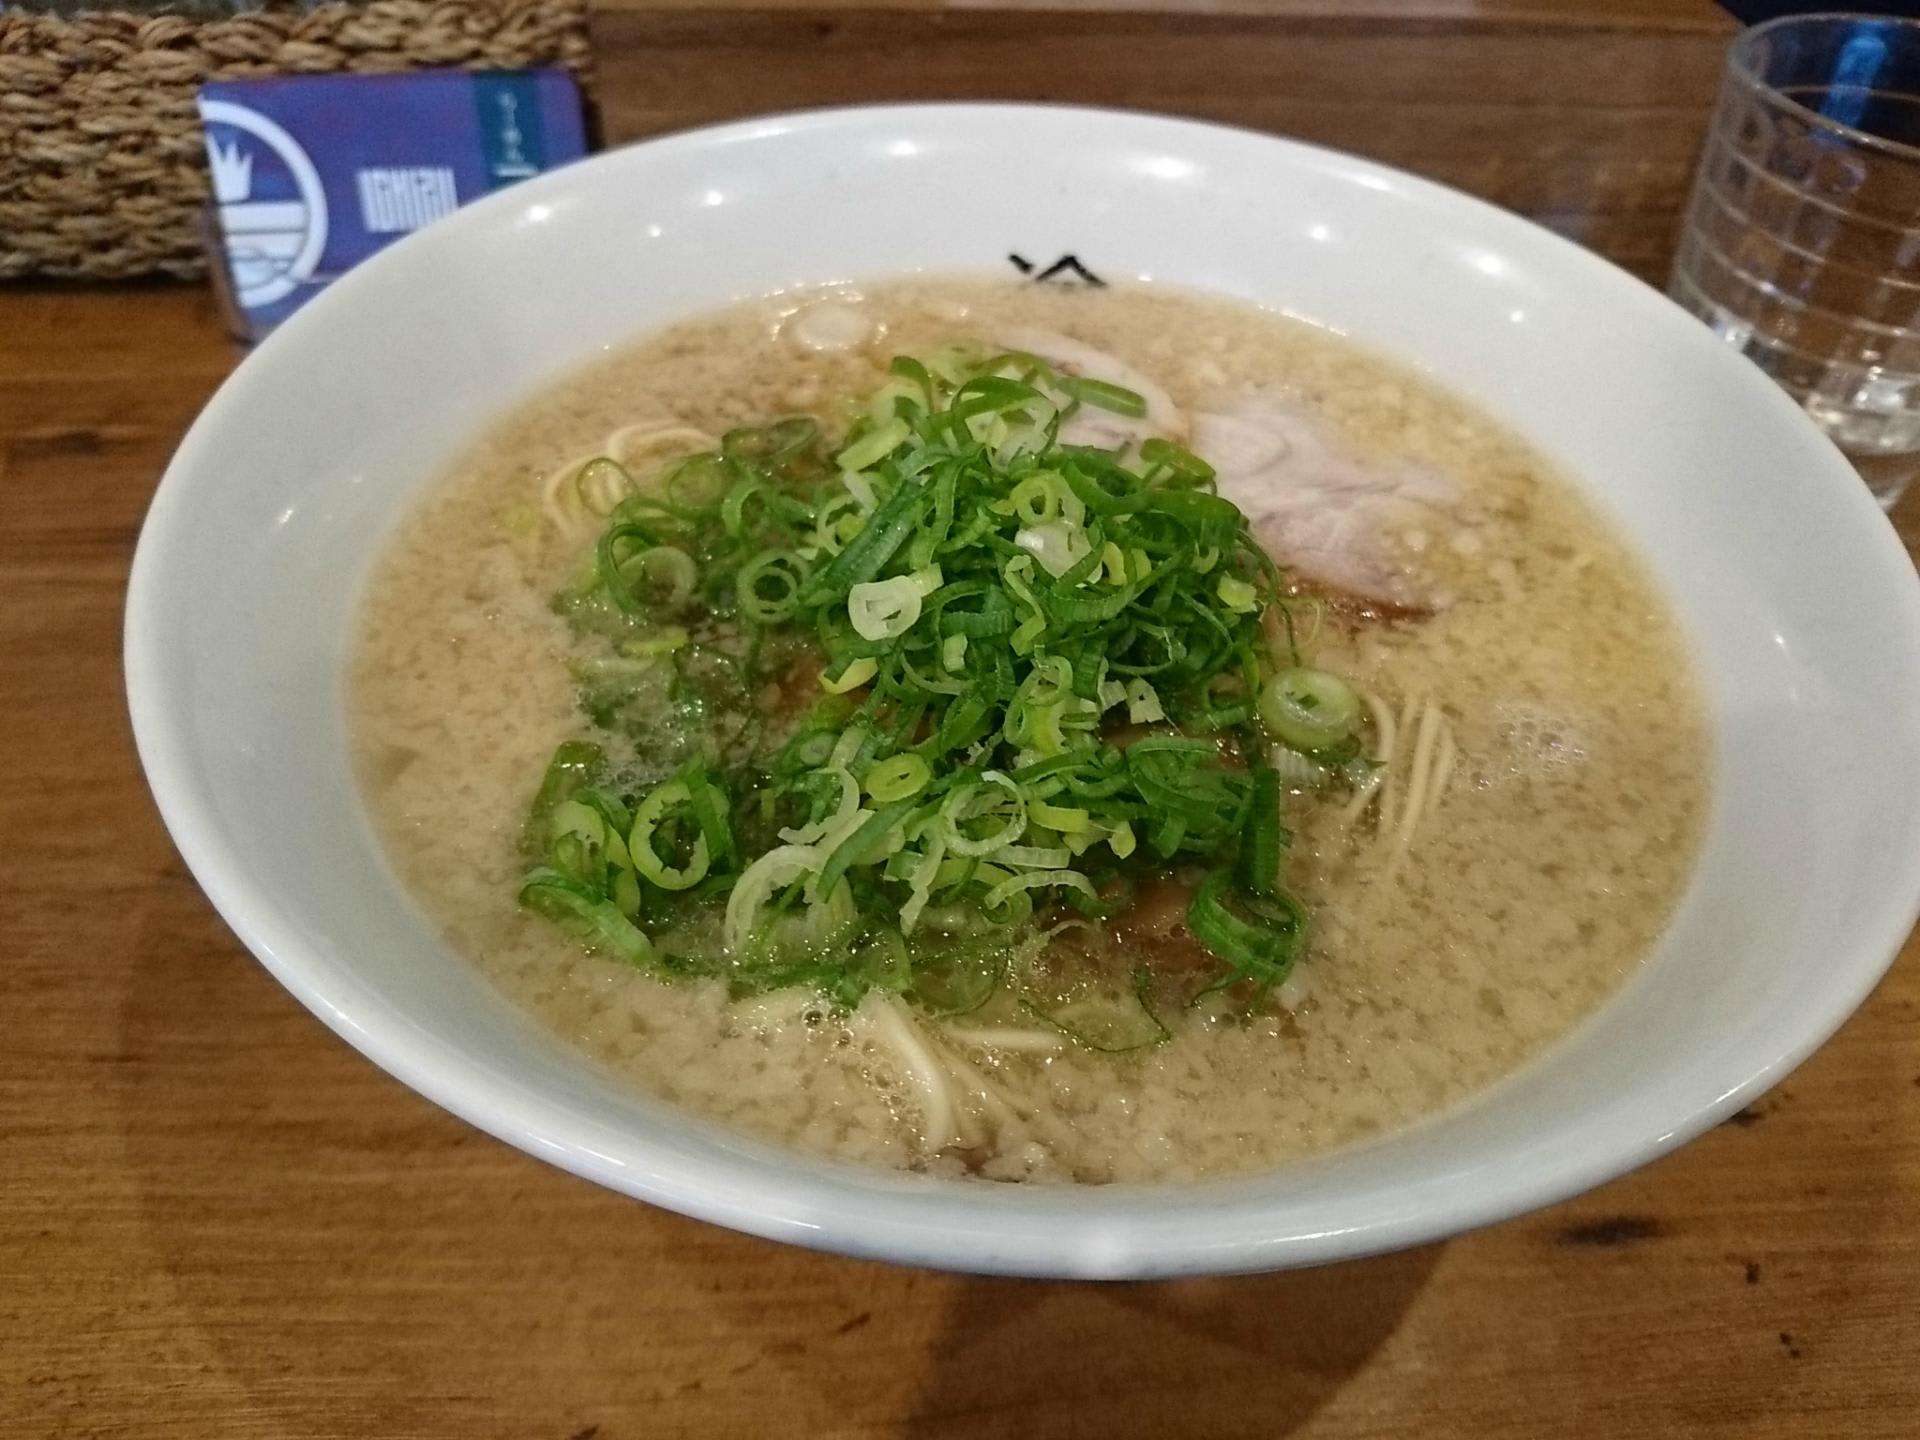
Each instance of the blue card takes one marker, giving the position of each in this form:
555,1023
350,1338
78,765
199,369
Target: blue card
313,173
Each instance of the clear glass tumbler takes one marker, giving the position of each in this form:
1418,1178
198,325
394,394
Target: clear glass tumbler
1801,244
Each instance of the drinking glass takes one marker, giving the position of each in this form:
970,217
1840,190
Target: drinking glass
1801,243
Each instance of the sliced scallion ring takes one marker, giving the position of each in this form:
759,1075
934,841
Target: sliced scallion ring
1311,710
648,818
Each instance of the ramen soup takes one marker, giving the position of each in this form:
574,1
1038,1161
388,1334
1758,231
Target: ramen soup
1036,734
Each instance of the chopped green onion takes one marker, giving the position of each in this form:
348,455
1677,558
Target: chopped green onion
771,446
756,886
1058,545
1104,1013
1034,857
884,609
575,765
898,778
1310,710
993,615
875,445
849,806
1143,703
1237,595
1258,937
1035,879
853,674
663,641
1106,396
1066,819
647,820
768,586
957,979
972,801
1164,454
597,921
1260,846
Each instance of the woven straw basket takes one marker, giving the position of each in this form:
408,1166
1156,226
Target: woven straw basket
102,171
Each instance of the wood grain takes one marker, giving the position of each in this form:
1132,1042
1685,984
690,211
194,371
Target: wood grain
217,1221
1583,116
1696,16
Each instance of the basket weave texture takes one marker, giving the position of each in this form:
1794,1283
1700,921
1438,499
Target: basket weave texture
102,168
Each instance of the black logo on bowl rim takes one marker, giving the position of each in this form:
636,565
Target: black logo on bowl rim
1067,270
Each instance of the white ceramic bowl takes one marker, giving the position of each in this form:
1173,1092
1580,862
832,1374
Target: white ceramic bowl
1803,608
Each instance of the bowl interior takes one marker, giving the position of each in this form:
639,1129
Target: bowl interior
1802,608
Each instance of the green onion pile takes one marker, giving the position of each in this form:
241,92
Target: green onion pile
905,714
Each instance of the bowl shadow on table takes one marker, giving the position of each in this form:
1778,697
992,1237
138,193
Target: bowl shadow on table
332,1242
1253,1354
294,1202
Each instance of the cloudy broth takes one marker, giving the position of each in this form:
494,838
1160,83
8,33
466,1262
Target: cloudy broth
1446,947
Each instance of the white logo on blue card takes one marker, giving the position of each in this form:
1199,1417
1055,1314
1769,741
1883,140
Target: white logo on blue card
395,199
273,210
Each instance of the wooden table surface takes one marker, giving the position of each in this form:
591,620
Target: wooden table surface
216,1220
1584,114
